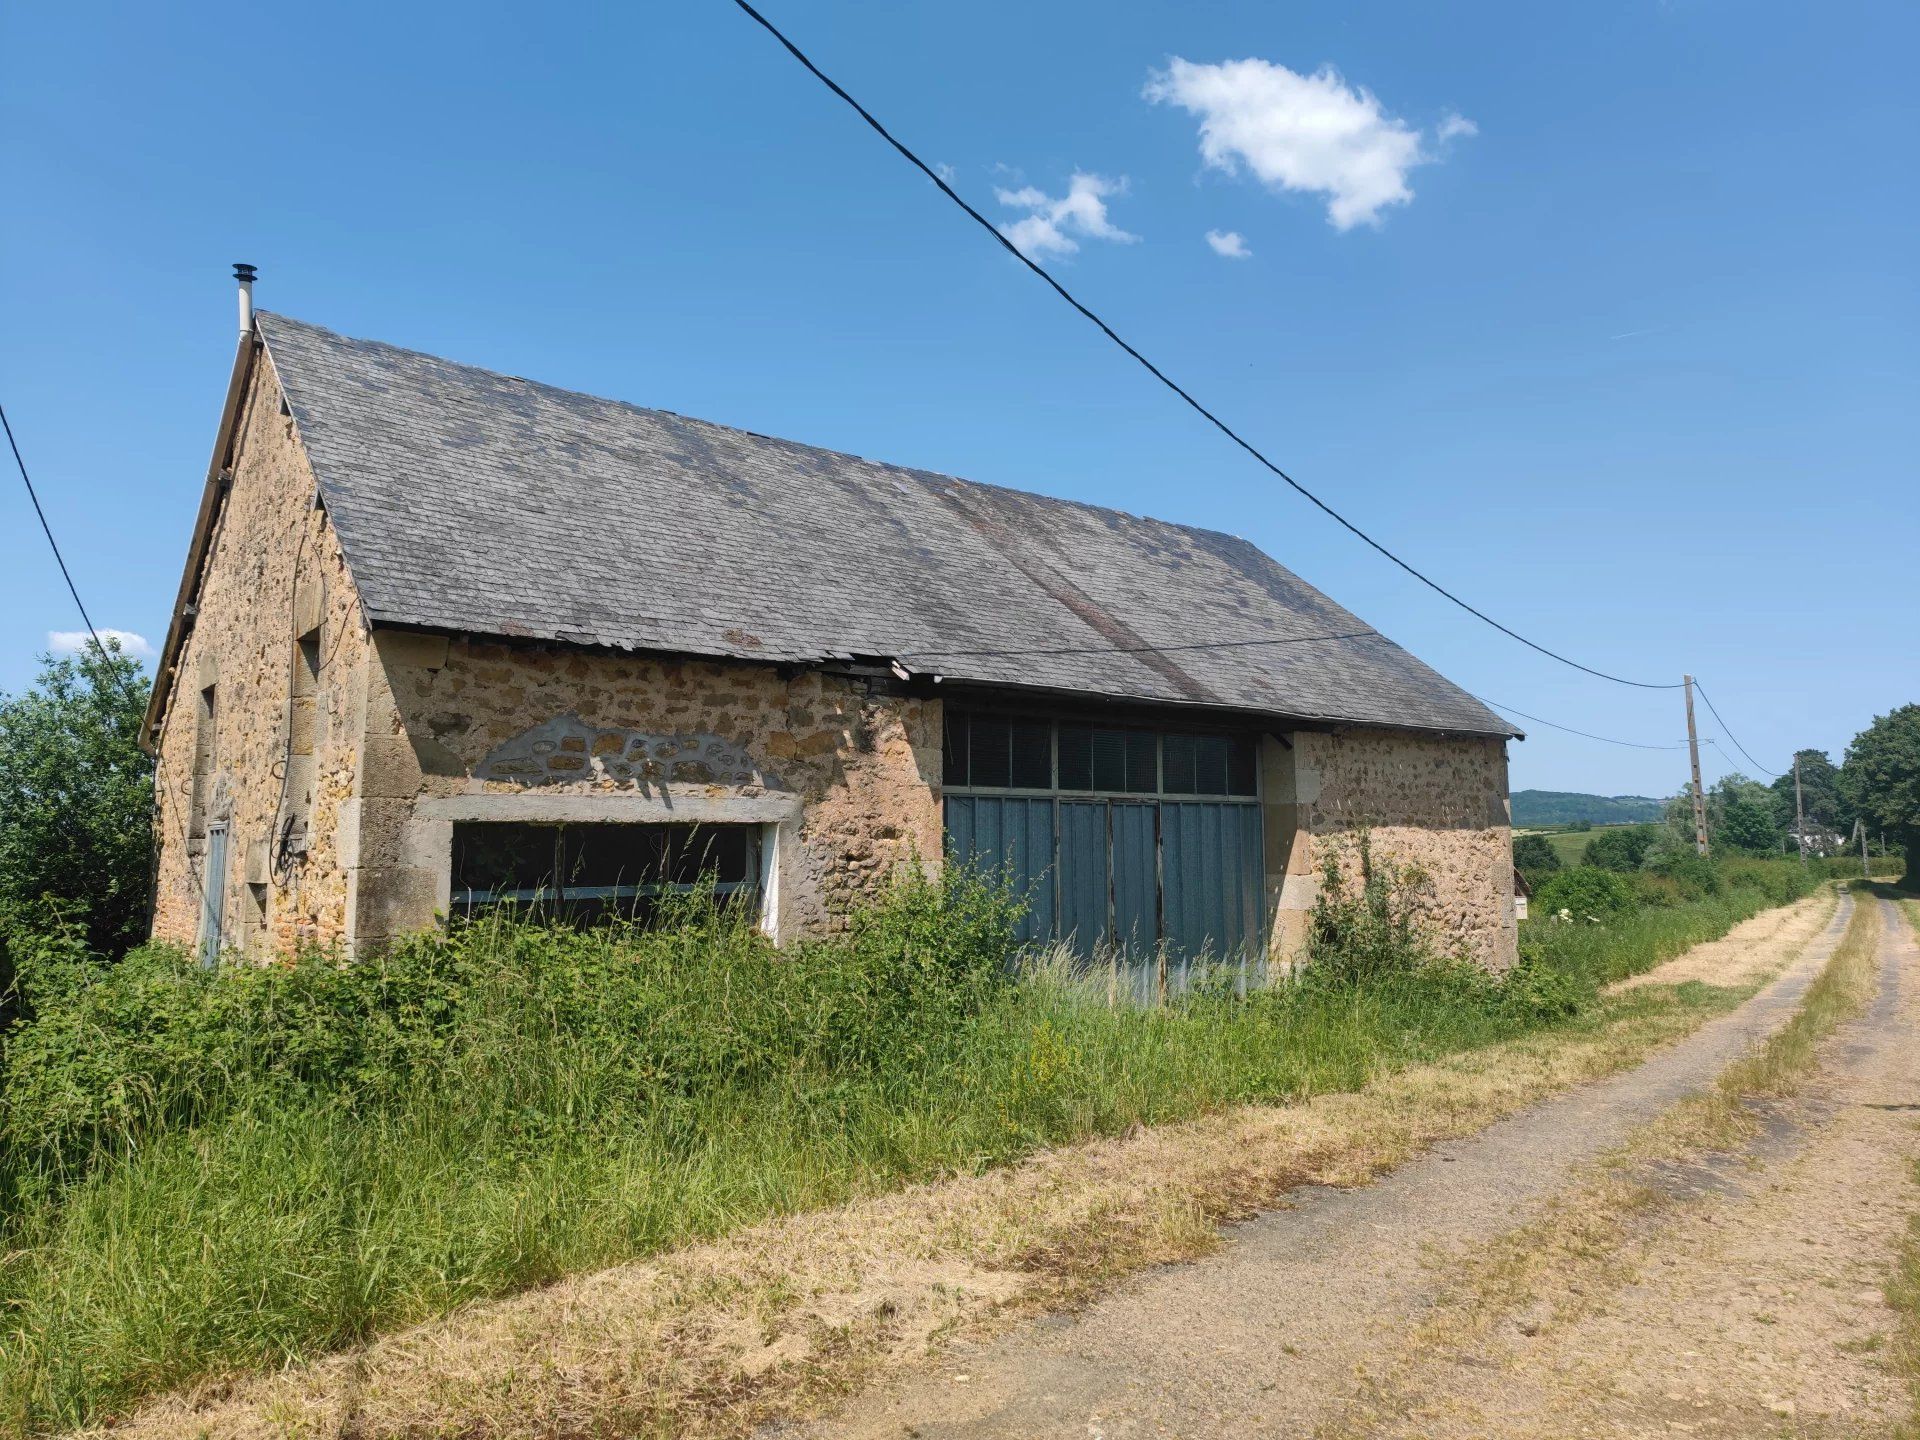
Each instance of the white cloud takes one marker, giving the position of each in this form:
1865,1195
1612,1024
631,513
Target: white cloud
1228,243
1052,222
71,642
1302,132
945,171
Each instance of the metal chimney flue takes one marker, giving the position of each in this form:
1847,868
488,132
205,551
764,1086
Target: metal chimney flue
244,274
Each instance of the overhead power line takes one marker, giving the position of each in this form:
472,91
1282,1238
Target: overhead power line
1154,370
1138,649
1730,735
1584,734
61,560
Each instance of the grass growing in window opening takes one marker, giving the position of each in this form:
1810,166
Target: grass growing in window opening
239,1168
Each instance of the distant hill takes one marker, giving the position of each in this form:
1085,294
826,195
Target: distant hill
1564,807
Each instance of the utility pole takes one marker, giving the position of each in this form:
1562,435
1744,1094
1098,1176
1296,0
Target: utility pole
1799,813
1866,870
1699,796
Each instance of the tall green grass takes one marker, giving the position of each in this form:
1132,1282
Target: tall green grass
1653,917
238,1168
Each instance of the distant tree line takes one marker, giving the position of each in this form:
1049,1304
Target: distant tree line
1877,785
1571,810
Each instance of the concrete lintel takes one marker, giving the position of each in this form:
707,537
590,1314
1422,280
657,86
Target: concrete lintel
532,807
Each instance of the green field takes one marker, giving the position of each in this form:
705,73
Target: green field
1571,845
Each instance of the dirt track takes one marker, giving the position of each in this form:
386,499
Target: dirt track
1751,1307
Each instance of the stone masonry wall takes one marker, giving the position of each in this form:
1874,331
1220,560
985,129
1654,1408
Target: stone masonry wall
478,729
1438,805
273,572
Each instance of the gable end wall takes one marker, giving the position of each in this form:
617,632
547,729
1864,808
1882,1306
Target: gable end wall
273,569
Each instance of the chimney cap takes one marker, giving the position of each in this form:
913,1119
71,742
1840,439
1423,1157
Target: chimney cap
244,273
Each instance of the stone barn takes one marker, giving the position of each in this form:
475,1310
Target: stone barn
448,638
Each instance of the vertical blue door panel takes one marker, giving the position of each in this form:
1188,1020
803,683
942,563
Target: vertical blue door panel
1008,839
1211,858
1135,877
1083,875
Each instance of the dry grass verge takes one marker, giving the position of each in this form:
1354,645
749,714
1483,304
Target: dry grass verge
1903,1294
1903,1287
718,1338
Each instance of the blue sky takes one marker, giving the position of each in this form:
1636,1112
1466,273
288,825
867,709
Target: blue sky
1604,315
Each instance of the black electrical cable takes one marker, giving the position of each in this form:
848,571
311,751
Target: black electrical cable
99,647
1138,649
1584,734
1155,371
1730,735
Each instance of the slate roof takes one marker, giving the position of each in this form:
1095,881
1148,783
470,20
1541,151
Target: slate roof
479,503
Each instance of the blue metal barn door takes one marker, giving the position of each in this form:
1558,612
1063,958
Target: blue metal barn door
1008,838
1125,843
1211,870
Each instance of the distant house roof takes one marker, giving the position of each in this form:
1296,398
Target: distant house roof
475,502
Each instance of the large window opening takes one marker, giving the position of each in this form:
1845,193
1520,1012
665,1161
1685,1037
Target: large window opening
995,752
303,734
587,874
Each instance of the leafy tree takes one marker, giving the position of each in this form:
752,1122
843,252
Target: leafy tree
1740,816
1535,855
1620,848
76,798
1881,776
1673,836
1820,791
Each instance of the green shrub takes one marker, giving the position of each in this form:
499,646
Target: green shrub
1651,890
1583,894
116,1053
1535,854
1692,872
1643,935
1621,847
1537,991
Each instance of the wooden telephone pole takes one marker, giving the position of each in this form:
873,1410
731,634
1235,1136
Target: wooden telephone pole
1699,795
1799,814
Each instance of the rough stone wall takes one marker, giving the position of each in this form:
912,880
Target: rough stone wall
273,572
1437,805
462,727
